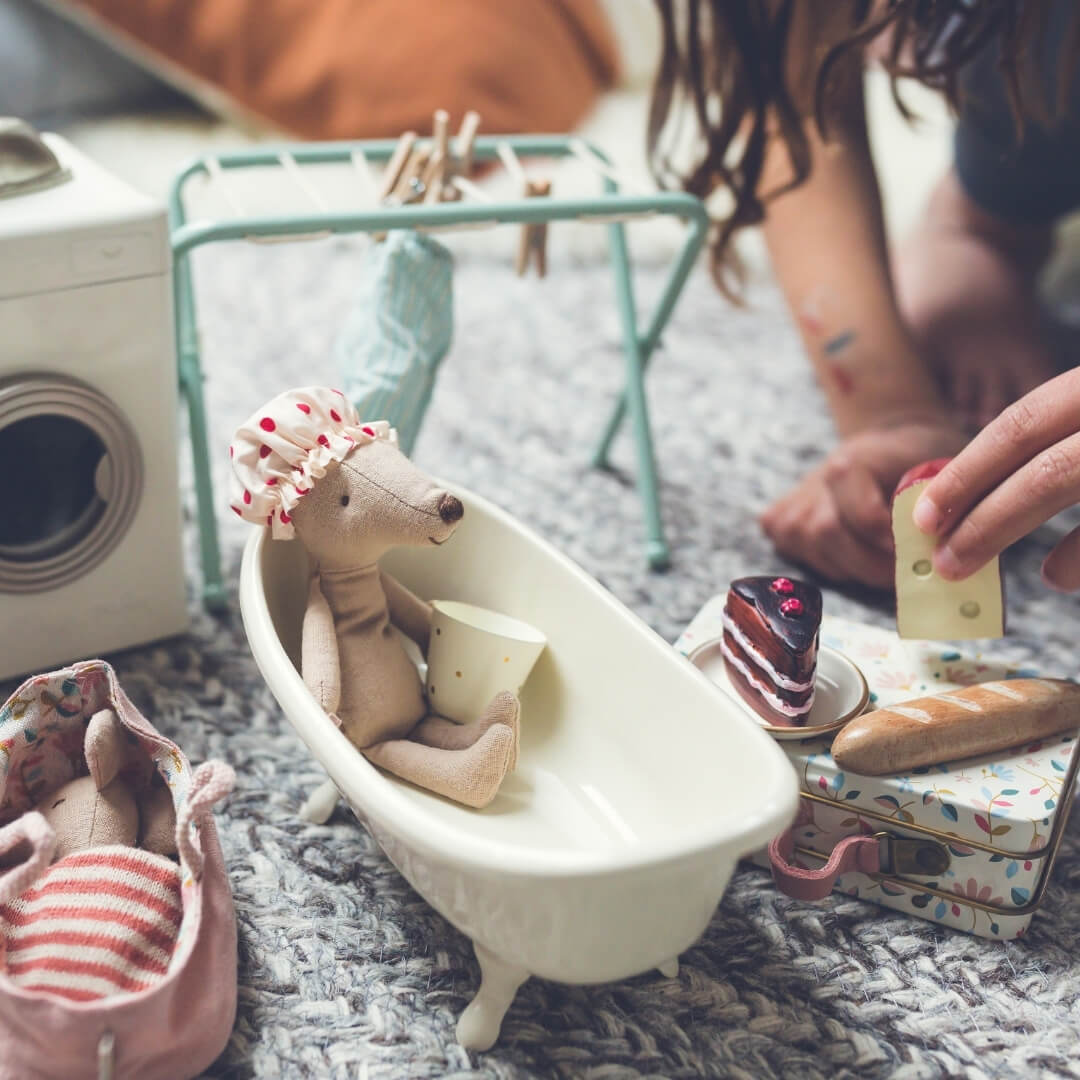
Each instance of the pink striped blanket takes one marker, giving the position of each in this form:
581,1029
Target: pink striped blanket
96,924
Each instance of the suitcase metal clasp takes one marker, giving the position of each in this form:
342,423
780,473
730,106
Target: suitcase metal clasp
910,855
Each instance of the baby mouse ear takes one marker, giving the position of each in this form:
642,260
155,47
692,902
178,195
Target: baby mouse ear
104,747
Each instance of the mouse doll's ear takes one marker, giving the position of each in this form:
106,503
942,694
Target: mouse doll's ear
105,747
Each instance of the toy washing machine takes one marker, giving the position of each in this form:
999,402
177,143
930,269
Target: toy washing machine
90,557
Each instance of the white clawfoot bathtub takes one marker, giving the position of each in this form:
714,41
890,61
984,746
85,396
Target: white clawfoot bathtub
639,783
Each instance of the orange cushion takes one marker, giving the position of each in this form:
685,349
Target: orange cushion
333,69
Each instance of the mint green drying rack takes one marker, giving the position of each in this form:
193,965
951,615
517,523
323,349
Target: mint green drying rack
610,206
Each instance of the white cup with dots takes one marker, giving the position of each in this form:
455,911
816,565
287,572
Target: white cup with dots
475,653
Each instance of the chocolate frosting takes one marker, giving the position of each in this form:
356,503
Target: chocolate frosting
797,632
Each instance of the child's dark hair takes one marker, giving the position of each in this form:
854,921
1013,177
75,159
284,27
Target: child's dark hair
729,62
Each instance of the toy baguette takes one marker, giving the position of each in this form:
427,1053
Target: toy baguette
959,724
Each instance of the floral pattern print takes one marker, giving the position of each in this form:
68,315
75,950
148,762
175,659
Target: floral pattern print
1007,804
42,727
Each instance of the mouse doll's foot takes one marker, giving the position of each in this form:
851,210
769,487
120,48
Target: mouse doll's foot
471,776
448,735
967,287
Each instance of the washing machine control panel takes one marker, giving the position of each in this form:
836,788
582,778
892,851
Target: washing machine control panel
90,229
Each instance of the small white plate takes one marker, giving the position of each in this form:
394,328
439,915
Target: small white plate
840,693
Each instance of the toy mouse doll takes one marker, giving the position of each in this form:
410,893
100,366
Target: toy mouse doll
306,466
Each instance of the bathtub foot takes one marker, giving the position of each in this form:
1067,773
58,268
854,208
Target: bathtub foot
320,803
478,1026
669,968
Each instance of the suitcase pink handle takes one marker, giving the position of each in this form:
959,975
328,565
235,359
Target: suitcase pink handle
32,842
213,780
862,853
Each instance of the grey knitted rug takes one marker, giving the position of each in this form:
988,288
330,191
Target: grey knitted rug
344,970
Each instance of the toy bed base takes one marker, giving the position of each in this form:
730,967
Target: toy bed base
638,787
611,207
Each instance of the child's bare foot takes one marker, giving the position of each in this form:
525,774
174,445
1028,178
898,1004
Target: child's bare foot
966,283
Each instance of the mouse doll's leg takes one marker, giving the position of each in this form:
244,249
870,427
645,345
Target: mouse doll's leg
449,735
471,776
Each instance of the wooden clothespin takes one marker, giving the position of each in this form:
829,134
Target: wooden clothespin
533,243
435,172
459,158
392,174
463,145
410,186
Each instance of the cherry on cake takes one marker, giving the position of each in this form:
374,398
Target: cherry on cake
770,646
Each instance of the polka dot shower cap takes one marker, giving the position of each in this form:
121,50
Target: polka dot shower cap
285,448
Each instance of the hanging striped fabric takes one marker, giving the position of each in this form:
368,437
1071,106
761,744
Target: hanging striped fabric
399,328
98,923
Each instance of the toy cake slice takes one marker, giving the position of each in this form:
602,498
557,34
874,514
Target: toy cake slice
770,645
928,606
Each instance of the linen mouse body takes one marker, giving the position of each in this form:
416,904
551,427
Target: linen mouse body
308,467
105,808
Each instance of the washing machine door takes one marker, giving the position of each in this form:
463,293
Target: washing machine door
74,479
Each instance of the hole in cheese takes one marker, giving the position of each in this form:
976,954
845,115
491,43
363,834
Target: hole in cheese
970,609
923,567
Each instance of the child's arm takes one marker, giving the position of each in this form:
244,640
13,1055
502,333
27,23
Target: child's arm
827,240
829,252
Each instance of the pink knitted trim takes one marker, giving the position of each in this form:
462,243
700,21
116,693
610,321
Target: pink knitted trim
213,780
34,834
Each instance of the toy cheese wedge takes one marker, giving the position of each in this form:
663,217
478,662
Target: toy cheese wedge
928,606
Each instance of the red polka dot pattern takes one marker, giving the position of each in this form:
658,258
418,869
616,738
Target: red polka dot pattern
264,472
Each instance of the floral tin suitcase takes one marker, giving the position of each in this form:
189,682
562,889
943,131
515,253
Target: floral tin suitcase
968,844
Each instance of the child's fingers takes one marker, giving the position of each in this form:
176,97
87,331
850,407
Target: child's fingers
860,502
1041,419
1037,491
1061,568
818,538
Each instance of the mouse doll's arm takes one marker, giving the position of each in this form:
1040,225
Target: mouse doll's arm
408,612
320,663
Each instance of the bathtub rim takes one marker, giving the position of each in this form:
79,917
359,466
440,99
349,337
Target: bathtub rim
378,795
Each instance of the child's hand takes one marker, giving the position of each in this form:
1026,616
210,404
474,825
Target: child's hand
837,520
1018,472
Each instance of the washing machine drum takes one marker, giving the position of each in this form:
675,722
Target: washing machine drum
77,476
